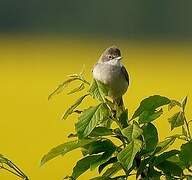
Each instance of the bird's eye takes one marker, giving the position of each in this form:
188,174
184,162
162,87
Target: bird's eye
110,57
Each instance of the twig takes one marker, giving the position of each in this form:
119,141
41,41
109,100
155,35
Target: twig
17,169
4,168
188,130
186,123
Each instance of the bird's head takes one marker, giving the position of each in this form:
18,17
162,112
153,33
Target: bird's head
111,55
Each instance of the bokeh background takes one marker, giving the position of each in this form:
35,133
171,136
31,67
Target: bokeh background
43,41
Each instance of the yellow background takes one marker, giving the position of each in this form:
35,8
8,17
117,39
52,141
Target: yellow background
31,67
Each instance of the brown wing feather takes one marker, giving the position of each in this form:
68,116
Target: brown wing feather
124,71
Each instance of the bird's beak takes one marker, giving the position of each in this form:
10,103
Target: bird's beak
119,58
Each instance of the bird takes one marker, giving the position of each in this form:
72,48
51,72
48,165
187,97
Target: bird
111,72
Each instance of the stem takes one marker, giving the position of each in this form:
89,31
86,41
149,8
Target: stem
112,115
187,125
18,175
85,81
188,130
13,169
189,121
11,165
17,169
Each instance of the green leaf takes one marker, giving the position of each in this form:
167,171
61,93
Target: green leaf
104,146
3,159
153,174
80,77
101,131
132,132
148,116
99,146
110,161
151,104
123,119
162,146
98,90
150,136
186,153
62,86
102,159
90,118
77,89
127,155
64,148
177,120
173,103
176,159
83,165
164,156
170,168
184,102
72,107
116,167
106,123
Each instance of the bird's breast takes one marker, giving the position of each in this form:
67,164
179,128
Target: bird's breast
112,76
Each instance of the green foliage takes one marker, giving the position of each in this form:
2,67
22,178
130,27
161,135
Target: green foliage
149,116
83,165
98,90
10,167
90,118
150,105
185,155
71,109
177,120
72,78
77,89
138,148
101,131
164,156
165,144
132,132
127,155
150,138
64,148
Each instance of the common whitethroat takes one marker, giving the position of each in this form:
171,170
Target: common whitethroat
110,71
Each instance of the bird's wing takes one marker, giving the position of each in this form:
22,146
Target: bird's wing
125,73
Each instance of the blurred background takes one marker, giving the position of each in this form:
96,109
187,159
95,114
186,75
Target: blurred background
43,41
127,19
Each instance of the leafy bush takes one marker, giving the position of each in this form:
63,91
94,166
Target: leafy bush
137,150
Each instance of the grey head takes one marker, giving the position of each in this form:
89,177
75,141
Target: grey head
111,53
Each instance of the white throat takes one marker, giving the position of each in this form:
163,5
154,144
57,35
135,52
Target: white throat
113,62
